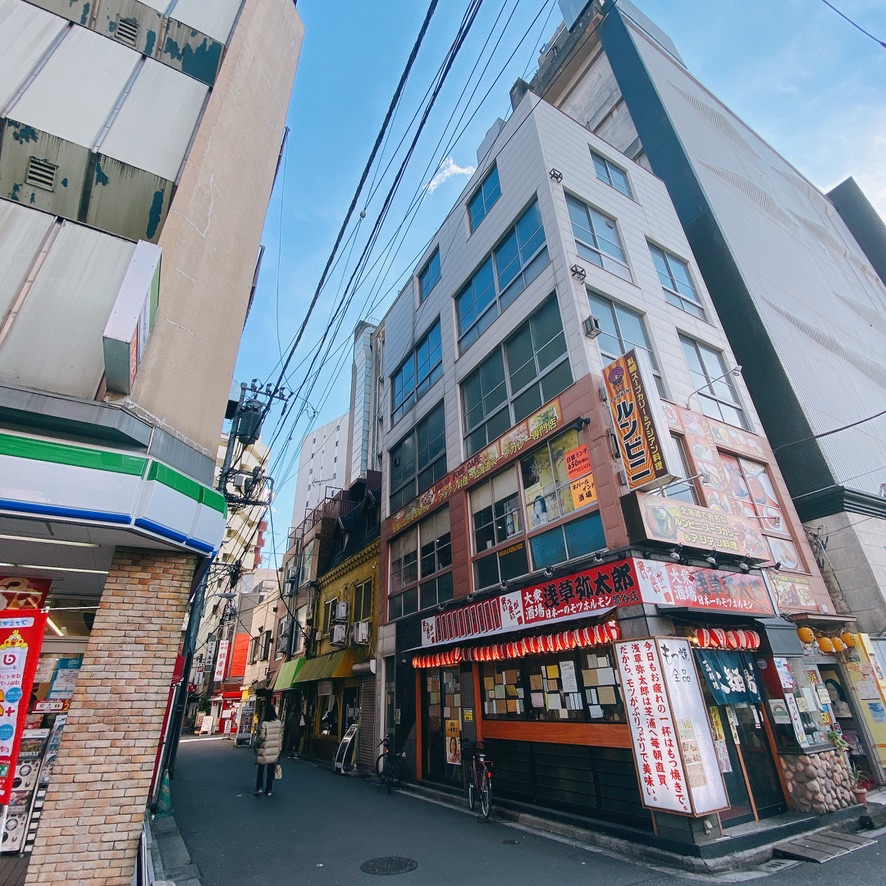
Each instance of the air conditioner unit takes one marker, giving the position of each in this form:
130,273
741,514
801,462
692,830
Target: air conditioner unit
341,611
592,327
360,632
339,635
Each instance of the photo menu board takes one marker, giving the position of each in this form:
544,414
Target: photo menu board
673,747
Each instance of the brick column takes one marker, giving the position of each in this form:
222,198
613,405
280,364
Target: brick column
92,818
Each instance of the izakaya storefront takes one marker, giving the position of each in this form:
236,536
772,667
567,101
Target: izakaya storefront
579,717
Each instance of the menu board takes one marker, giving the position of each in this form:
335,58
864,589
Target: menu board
676,759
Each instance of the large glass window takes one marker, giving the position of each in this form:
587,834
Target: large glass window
516,507
597,239
513,265
417,373
484,198
713,382
515,380
419,459
611,174
363,600
429,275
420,555
683,488
622,330
673,273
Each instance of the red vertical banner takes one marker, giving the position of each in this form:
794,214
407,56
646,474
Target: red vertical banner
21,637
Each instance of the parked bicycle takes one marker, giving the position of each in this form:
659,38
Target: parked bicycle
480,780
387,765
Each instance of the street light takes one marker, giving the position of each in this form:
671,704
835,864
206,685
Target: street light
736,370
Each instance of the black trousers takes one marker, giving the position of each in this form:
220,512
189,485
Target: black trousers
266,769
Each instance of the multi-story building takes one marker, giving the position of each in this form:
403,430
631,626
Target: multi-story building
322,466
139,147
571,457
801,301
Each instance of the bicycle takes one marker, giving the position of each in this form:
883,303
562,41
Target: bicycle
480,781
387,766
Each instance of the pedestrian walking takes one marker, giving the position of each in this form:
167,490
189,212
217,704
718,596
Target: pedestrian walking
292,732
267,750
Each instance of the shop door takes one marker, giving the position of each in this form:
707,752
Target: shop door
759,767
441,724
740,809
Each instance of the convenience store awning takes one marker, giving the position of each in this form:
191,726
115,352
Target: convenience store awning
288,672
336,664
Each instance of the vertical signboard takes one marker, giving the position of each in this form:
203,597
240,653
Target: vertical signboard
222,661
21,637
673,747
640,426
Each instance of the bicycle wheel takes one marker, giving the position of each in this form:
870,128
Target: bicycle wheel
472,796
380,767
486,796
396,771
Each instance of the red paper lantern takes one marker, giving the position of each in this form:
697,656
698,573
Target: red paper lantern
753,640
703,637
719,636
613,631
595,635
732,641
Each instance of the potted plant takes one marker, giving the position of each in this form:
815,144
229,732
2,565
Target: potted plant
860,781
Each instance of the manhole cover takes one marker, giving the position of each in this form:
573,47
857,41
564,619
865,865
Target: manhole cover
391,864
511,842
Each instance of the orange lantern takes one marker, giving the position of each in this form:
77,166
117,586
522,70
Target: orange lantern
849,639
719,637
806,635
839,645
825,644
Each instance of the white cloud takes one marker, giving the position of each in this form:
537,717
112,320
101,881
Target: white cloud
446,170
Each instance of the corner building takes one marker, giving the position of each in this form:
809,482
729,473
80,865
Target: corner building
518,551
139,147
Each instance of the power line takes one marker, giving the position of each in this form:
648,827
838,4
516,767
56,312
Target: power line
854,24
832,431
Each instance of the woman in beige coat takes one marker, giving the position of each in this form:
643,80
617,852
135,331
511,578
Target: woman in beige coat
267,749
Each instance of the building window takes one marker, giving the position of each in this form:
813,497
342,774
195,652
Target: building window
528,518
419,556
530,368
513,265
673,273
417,373
611,174
429,275
264,652
363,600
683,488
329,614
419,459
623,329
484,198
597,239
306,562
713,382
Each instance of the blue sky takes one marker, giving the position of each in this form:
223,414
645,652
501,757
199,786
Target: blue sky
805,79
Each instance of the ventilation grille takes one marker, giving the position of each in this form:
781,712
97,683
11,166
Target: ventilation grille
127,31
41,174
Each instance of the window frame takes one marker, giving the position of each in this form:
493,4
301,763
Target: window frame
700,384
606,175
489,296
693,304
481,197
363,594
625,344
512,395
436,465
600,257
426,273
405,396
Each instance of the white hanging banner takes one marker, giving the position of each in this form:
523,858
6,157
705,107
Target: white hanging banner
673,747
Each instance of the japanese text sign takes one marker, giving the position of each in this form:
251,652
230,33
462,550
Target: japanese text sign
640,427
673,747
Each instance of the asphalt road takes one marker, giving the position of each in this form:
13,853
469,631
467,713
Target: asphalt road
319,828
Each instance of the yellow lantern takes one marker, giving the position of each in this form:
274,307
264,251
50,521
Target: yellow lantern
806,635
839,645
825,644
849,639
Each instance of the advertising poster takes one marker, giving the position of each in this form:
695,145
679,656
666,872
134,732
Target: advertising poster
20,640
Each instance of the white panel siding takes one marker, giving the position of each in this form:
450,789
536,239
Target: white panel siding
153,129
66,310
22,232
75,92
26,33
